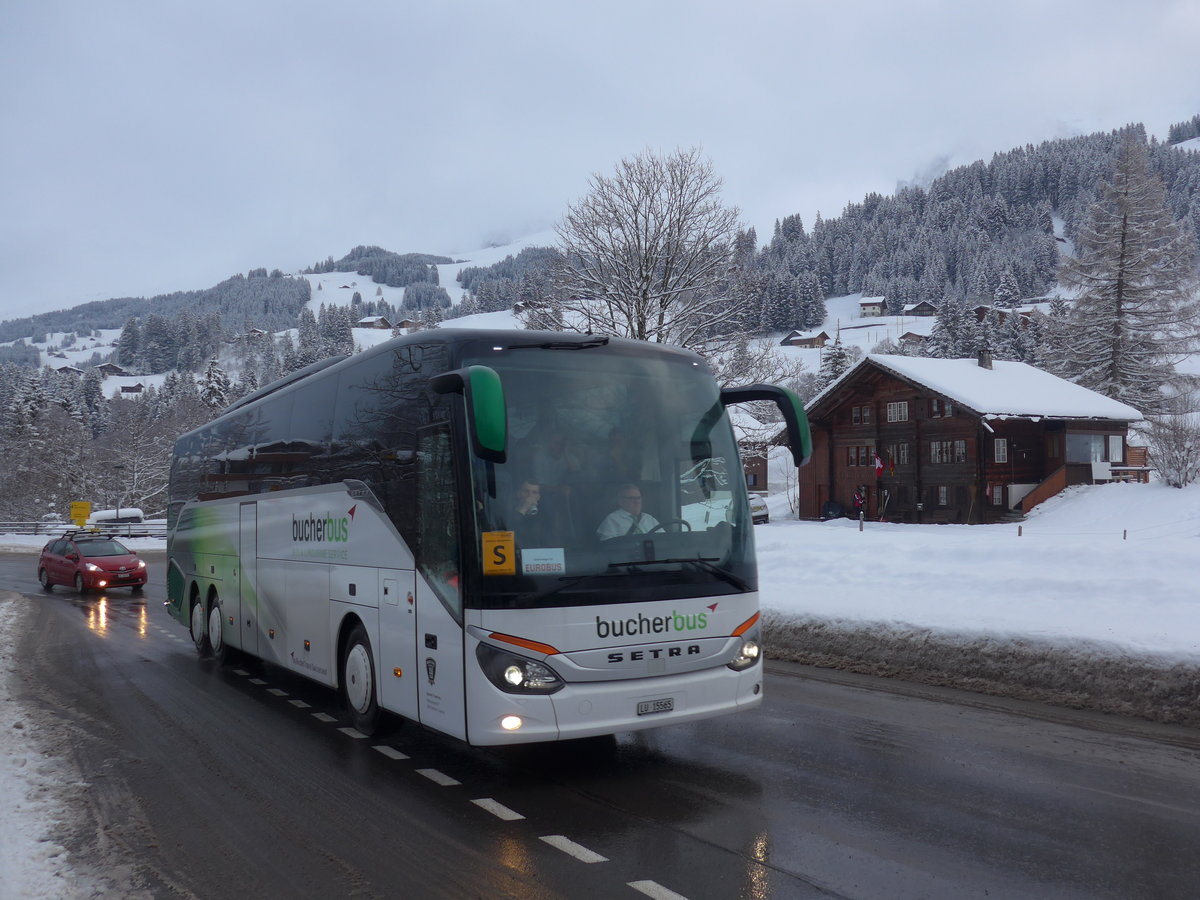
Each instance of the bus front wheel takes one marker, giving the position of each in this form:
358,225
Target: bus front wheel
358,681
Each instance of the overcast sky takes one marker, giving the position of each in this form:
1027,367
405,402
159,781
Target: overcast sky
157,146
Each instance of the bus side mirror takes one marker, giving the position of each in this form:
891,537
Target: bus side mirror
487,413
799,438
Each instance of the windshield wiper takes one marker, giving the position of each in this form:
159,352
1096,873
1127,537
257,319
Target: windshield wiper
706,563
571,580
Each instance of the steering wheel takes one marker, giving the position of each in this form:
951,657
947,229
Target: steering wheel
662,526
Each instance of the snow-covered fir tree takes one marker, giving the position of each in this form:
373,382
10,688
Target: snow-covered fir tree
1135,312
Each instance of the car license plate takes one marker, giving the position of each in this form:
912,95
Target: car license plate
649,707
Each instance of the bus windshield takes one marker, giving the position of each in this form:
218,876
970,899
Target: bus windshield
622,482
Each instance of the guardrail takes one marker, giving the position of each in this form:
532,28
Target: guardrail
122,529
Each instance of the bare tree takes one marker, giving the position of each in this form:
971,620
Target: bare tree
648,254
1175,441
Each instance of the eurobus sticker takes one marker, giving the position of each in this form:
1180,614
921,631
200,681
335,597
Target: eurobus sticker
543,561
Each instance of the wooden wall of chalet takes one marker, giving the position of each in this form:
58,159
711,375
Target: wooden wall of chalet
970,481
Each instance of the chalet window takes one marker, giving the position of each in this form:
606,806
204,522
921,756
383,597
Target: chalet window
940,451
1085,448
943,495
860,415
898,453
855,416
751,479
960,451
897,411
997,493
866,415
935,408
1116,448
1001,452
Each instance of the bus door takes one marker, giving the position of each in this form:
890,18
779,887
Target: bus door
399,675
247,600
442,694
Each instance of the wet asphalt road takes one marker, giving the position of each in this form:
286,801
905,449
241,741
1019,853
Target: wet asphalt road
240,781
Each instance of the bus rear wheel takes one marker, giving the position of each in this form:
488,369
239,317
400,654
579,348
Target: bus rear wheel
358,681
196,627
216,631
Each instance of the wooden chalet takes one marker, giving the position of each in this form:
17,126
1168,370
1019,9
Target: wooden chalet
956,440
815,339
373,322
872,306
925,308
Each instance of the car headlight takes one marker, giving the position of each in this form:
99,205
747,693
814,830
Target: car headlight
749,653
516,674
92,567
141,564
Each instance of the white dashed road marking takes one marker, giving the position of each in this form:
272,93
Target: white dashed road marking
438,777
568,846
655,890
299,704
324,717
352,732
390,752
499,810
257,681
277,692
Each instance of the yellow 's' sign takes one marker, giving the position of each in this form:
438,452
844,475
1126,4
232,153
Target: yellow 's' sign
499,553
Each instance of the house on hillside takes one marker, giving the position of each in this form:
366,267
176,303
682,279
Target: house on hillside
805,339
913,339
871,306
924,308
106,369
956,440
132,388
373,322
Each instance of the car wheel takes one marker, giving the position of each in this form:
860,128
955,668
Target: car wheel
196,627
136,589
358,681
80,588
216,631
44,578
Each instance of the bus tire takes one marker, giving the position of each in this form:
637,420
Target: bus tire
196,627
216,630
358,681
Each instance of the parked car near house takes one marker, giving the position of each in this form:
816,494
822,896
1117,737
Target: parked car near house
90,562
758,509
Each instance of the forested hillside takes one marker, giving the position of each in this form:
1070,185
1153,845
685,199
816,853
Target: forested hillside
988,236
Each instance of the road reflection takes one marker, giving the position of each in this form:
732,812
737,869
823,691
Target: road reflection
102,613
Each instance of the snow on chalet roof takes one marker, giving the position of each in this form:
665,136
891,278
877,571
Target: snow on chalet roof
1006,389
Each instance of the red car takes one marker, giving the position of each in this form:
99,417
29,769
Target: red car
90,562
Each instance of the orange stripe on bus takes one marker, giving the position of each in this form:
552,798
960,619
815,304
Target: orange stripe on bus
745,626
523,642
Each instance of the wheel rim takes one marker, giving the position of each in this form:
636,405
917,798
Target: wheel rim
197,626
216,634
44,578
358,679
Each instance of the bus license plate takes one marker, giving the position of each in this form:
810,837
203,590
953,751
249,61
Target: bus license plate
648,707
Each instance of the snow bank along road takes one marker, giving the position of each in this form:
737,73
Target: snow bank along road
1096,605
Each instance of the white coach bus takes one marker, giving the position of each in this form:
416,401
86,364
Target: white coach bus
359,523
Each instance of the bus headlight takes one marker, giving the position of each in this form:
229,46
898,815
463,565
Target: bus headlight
748,654
516,674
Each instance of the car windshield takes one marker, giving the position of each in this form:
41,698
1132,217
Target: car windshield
102,548
622,483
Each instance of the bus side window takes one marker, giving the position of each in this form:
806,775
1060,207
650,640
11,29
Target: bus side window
437,514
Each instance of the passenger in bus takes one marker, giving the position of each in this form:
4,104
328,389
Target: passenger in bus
628,517
556,469
528,525
615,465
